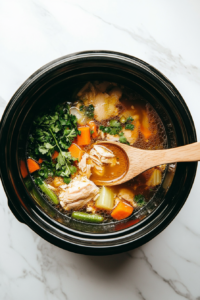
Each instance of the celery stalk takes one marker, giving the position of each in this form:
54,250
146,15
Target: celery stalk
155,178
105,199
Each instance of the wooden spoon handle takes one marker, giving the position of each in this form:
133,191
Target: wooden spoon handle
185,153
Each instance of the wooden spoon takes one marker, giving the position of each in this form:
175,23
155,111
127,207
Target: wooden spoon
142,160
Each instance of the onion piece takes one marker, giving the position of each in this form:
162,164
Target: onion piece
82,119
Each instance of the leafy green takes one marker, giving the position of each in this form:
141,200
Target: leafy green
110,130
114,123
52,130
129,126
129,119
115,127
140,200
88,110
67,180
123,140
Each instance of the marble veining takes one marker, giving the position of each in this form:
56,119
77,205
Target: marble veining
166,35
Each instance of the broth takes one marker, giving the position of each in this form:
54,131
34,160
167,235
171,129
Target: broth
73,163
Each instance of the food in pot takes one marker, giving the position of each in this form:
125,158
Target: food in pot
71,166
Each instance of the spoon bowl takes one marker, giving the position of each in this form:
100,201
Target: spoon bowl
141,160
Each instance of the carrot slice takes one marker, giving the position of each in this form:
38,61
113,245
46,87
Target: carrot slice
93,127
121,211
75,151
84,138
145,125
55,155
32,165
23,169
40,160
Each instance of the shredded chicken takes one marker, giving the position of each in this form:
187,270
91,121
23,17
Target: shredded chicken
117,200
103,154
91,207
85,168
99,170
57,182
112,138
78,193
51,187
128,195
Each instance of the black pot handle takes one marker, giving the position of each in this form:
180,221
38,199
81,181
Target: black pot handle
15,213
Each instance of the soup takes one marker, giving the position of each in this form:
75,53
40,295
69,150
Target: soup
70,164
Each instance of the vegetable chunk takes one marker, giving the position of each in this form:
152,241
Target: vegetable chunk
32,165
122,211
76,152
87,217
105,199
84,138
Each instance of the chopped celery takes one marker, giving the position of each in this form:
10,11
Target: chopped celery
105,199
155,178
49,193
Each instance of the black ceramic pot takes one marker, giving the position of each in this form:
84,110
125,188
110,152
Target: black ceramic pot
54,81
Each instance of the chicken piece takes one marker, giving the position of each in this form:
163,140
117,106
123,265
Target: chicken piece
103,154
102,134
85,166
76,205
128,195
105,106
117,200
80,191
88,171
112,138
91,207
83,163
99,170
95,160
51,187
57,182
103,151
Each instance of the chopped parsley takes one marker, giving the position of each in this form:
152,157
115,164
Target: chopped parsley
53,131
129,119
123,140
129,126
114,123
88,110
140,200
110,130
115,127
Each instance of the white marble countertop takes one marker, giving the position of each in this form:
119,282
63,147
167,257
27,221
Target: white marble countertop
164,34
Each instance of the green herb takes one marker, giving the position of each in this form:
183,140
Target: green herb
54,130
111,130
67,180
88,110
114,123
140,200
81,107
129,126
129,119
91,132
123,140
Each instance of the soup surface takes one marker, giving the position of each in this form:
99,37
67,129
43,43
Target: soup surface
71,166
